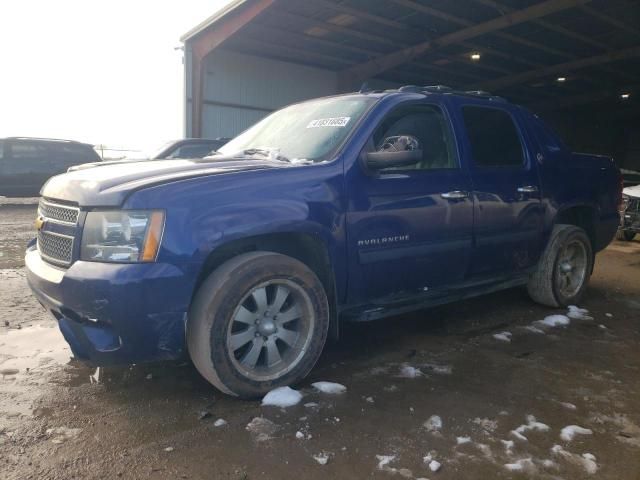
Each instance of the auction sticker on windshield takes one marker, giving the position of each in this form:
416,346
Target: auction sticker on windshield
329,122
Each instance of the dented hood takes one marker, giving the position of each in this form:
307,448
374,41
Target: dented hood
109,185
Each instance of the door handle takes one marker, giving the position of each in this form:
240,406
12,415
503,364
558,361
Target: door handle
528,189
454,195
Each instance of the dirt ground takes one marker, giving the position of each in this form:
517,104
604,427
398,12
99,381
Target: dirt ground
435,384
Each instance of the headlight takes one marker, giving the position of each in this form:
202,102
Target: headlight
125,236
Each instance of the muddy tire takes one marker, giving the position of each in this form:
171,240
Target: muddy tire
625,236
258,322
563,271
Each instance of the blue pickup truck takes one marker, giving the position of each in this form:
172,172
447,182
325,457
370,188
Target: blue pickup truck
352,207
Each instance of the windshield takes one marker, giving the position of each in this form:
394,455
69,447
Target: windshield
310,131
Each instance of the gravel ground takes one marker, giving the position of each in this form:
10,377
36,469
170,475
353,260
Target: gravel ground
432,386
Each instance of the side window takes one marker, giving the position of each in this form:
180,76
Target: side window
493,137
28,157
547,138
428,124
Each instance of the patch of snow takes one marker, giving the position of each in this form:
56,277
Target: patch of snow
220,422
609,315
522,465
321,458
439,369
586,460
568,433
534,329
384,460
369,400
282,397
407,371
262,429
310,405
578,313
434,465
568,405
299,435
462,440
532,424
62,434
603,327
554,321
503,336
168,449
329,387
433,424
508,445
390,388
519,436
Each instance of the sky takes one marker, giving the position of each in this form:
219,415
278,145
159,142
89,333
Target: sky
97,71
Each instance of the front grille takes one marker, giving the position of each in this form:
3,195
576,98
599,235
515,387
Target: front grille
55,248
58,213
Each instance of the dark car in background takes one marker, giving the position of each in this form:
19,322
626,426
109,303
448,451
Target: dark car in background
27,163
189,148
173,150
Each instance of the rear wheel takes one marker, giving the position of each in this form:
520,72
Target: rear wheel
563,272
259,321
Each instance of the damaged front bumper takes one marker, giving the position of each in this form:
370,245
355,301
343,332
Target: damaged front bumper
114,313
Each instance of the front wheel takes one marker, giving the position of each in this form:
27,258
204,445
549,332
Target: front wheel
258,322
563,270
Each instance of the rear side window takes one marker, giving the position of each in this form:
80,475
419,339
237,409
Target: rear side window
546,136
28,157
493,137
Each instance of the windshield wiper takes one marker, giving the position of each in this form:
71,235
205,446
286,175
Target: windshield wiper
271,153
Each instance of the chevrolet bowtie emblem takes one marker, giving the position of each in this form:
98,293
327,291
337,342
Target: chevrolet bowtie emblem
39,223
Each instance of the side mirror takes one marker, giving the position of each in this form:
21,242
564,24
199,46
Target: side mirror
398,151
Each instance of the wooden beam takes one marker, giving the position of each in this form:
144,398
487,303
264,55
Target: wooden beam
203,44
561,30
296,19
610,20
411,4
301,38
341,7
385,62
207,41
286,52
562,68
500,7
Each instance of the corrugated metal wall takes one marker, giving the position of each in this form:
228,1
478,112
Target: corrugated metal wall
240,89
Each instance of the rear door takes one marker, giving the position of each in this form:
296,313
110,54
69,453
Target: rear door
409,229
28,166
506,189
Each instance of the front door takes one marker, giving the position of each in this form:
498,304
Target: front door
508,213
410,228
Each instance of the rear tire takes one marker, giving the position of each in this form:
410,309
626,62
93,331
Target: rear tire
259,321
563,271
